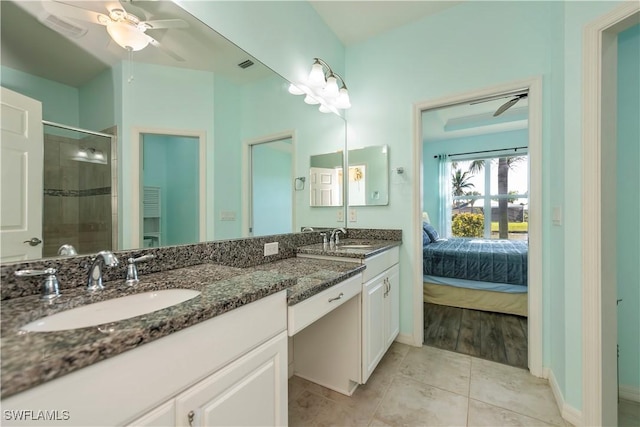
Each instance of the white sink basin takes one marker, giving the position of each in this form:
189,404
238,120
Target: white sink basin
110,310
354,246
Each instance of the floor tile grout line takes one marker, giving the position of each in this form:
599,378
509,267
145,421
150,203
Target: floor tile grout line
513,411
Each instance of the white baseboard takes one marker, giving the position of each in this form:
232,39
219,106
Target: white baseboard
406,339
628,392
568,412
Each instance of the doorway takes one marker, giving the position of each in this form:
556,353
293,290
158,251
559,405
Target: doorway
168,187
601,157
534,88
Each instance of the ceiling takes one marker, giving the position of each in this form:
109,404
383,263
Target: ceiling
345,18
33,47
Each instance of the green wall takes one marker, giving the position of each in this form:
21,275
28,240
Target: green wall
60,103
628,206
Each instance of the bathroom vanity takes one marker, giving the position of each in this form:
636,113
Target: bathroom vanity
221,358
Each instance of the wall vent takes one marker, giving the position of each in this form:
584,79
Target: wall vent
245,64
63,27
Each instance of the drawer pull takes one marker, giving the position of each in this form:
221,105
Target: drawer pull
336,298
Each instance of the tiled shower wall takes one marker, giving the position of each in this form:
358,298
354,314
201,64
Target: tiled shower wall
77,196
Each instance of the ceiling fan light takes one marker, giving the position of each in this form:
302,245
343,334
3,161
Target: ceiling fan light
127,35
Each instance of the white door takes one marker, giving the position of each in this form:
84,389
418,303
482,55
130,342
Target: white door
373,326
392,305
325,187
22,154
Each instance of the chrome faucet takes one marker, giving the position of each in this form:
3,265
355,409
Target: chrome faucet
102,258
67,250
132,268
335,239
307,229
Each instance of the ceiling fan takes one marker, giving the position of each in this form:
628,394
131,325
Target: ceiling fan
510,103
517,96
126,29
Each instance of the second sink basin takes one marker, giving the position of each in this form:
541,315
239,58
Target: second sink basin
111,310
354,246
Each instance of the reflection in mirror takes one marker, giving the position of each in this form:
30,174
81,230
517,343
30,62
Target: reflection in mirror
369,176
325,179
271,169
79,185
193,80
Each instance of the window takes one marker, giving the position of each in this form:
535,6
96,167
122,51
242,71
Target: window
490,197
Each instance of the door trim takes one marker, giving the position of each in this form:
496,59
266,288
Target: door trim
136,182
599,320
246,177
534,86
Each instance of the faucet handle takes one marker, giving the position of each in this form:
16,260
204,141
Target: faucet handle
50,287
132,268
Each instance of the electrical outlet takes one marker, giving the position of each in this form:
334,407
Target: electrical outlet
340,216
271,249
353,215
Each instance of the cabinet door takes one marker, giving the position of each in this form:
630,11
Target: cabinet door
392,305
164,416
251,391
373,324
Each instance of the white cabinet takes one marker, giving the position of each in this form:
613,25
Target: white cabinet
248,392
380,317
215,368
380,312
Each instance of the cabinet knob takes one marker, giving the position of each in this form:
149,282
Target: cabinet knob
190,416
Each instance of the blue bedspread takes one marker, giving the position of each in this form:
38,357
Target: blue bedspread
502,261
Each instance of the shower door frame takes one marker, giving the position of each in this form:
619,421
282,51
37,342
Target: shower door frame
113,153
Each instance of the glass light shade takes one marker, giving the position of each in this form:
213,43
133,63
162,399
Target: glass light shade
331,89
311,100
127,35
81,155
295,90
343,102
316,76
324,108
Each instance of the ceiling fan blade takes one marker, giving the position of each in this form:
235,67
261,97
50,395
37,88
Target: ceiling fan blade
165,50
61,9
165,23
510,103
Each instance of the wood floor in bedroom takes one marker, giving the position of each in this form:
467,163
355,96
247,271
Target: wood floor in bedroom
497,337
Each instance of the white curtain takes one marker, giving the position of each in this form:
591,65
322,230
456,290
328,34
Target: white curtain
444,205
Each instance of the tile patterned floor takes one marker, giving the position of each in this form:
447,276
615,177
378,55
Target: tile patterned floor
426,387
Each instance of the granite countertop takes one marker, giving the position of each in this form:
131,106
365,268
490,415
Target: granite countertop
350,248
32,358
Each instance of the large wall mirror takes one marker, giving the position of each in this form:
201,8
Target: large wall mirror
184,108
367,181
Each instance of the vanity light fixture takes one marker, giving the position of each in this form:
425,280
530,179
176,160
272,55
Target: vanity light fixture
322,88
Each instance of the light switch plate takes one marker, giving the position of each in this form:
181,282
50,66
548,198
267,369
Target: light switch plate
227,216
271,249
353,215
340,216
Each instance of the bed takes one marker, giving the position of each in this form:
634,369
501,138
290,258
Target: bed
479,274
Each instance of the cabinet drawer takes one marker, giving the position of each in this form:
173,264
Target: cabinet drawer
308,311
379,263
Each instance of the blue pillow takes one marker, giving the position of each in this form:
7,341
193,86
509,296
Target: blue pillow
431,232
425,238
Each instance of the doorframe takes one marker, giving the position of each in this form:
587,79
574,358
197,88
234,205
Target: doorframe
599,317
246,176
136,181
534,87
